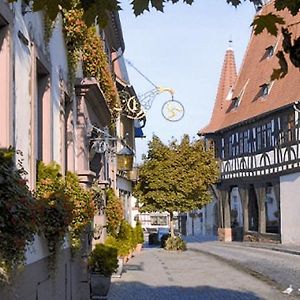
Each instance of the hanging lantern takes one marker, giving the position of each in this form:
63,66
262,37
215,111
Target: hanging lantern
125,159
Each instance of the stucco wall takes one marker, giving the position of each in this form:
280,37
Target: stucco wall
23,94
70,281
28,46
59,77
204,222
290,208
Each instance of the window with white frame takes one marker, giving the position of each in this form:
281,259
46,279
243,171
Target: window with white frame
5,79
258,137
43,107
223,148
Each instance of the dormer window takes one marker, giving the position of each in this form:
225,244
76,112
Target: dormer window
235,102
264,89
270,51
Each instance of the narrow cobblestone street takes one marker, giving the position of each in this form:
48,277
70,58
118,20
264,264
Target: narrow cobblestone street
157,274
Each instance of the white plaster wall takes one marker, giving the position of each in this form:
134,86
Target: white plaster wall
236,204
31,26
134,210
194,222
271,205
59,74
209,217
22,92
23,115
290,208
202,225
124,184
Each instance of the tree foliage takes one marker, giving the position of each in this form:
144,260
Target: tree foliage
176,177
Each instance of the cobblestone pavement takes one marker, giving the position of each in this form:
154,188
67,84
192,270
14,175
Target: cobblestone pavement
157,274
279,267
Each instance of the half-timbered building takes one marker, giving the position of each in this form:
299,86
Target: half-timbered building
255,131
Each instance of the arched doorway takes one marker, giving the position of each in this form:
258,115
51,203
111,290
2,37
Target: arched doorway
236,215
252,210
215,219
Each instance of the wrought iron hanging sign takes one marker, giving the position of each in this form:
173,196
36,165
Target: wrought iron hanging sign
172,110
131,106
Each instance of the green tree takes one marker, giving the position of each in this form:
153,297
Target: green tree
176,177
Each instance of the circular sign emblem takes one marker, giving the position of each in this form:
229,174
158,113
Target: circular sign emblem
172,110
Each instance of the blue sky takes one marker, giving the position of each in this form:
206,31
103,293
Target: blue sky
183,49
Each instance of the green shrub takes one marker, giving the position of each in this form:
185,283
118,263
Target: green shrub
122,246
175,243
113,212
126,234
163,240
133,238
103,260
139,235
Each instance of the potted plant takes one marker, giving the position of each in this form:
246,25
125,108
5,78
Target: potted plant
102,262
126,237
139,235
122,251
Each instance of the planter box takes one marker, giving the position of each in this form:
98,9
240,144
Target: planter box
99,286
138,247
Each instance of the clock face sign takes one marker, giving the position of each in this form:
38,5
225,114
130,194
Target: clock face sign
172,110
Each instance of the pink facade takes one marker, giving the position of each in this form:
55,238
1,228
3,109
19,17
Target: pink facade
5,77
92,115
49,119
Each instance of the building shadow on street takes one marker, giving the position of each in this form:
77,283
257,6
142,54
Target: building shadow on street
140,291
133,267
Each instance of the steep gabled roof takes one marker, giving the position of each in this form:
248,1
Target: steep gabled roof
254,77
227,80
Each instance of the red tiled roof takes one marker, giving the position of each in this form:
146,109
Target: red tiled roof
227,80
256,70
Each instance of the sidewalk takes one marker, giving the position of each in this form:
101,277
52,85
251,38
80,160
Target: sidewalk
286,248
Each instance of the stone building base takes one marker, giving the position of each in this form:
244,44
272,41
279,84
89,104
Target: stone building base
225,234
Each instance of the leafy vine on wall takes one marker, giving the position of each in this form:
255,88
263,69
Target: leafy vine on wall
64,207
55,208
83,209
84,44
18,217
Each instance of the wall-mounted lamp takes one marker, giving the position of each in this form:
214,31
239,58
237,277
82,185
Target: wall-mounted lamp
125,159
99,145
